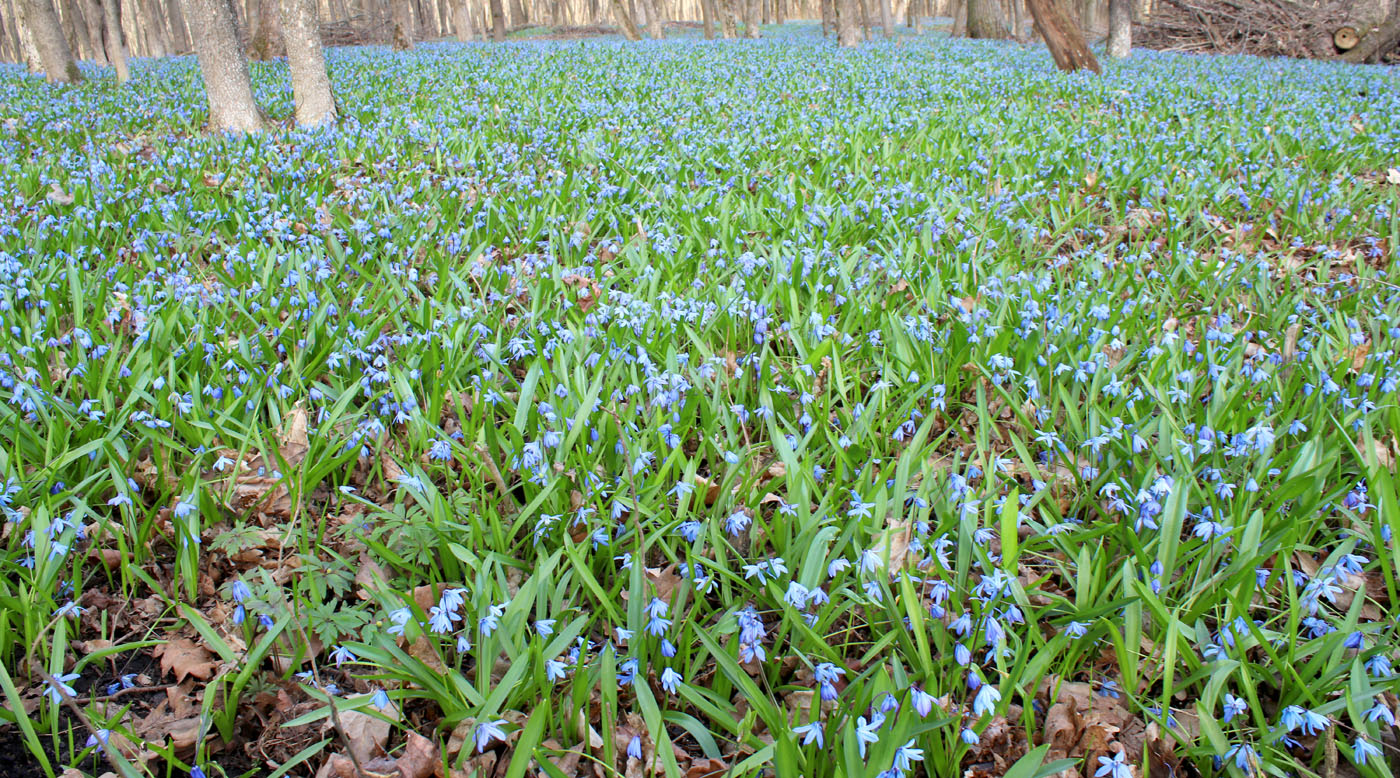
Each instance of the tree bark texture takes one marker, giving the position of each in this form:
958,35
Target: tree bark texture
751,9
847,28
311,85
498,22
1378,41
114,39
1062,36
265,35
92,16
886,16
707,15
47,35
984,19
1120,28
223,66
624,20
403,33
653,20
462,20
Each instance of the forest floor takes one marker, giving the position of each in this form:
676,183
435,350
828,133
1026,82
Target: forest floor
695,408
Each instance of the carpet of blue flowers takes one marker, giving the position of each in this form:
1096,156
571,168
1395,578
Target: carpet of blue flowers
581,408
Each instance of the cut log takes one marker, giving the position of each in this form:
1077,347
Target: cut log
1377,42
1345,38
1062,36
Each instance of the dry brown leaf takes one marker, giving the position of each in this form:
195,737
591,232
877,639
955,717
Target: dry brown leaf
366,734
184,658
706,768
419,758
57,196
1392,176
894,543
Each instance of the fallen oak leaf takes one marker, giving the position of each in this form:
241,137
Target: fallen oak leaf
184,658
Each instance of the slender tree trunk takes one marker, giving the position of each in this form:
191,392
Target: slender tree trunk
403,25
1062,35
727,23
1017,22
751,29
864,19
28,50
828,11
886,25
1120,28
847,28
462,20
519,17
984,19
265,38
960,18
14,51
180,33
311,86
624,20
154,21
498,21
92,16
225,70
75,28
707,16
47,34
114,39
653,20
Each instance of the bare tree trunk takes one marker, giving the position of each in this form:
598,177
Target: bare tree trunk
984,19
153,21
886,25
403,25
114,40
14,51
180,34
92,17
653,20
864,19
847,29
960,18
828,10
75,29
1062,36
624,20
498,21
727,23
751,29
462,20
47,34
28,51
265,39
311,86
519,17
707,15
223,66
1017,23
1120,28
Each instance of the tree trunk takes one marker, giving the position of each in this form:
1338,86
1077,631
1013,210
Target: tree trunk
28,50
728,27
311,86
1062,36
180,34
1120,28
92,16
653,20
828,11
155,24
624,20
960,18
519,17
265,38
864,20
498,21
47,34
1017,23
751,29
223,66
462,19
114,40
707,15
403,25
984,20
886,24
847,29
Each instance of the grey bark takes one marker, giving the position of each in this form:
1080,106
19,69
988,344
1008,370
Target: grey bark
707,16
462,19
886,25
227,85
653,20
114,39
265,37
311,86
984,19
26,43
1120,28
751,9
960,18
47,35
403,24
498,22
92,17
519,16
847,28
